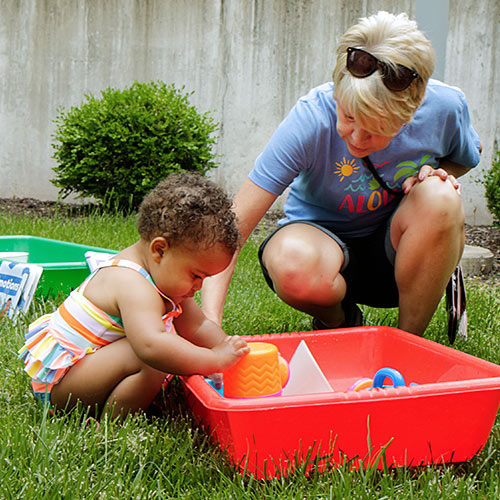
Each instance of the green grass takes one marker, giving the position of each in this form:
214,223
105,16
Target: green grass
162,454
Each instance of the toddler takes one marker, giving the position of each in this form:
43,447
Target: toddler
134,320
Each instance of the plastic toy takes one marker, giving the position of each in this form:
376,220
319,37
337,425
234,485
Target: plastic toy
362,383
64,264
379,379
261,372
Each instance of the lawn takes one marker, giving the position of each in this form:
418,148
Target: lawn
161,454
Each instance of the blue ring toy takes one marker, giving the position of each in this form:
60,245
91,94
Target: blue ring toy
383,373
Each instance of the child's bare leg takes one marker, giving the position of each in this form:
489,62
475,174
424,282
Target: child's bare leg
112,374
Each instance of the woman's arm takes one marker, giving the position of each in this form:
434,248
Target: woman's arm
250,205
453,169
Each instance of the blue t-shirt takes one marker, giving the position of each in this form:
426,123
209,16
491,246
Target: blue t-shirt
329,185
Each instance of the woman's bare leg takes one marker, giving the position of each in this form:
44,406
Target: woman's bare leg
427,232
304,263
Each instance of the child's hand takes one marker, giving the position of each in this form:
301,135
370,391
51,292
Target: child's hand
230,351
217,380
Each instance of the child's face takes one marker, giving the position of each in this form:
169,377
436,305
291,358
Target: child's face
182,269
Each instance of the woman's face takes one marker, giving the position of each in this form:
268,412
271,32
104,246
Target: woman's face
359,141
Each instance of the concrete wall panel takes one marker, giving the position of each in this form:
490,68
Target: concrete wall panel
247,62
473,64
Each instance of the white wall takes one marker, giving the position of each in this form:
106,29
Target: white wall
247,61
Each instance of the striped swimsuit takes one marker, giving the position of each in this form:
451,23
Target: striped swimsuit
56,341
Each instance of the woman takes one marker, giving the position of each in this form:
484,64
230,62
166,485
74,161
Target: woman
374,214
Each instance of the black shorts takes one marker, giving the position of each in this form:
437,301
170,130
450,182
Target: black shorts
368,267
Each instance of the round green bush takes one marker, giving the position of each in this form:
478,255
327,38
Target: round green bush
116,148
492,185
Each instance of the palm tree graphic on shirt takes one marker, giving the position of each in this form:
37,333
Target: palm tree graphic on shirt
345,169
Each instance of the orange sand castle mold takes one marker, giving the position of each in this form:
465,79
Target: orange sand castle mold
259,373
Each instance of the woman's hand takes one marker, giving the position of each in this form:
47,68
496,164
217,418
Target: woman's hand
427,171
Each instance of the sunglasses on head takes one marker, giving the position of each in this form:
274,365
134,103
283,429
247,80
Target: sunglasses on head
362,64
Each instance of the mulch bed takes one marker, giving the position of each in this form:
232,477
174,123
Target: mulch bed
38,208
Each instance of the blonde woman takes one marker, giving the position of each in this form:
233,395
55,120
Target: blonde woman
374,214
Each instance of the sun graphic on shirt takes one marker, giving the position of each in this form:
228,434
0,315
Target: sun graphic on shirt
345,168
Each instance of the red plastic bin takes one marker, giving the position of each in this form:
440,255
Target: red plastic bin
446,418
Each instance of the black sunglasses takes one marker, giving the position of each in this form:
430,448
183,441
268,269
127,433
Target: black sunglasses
362,64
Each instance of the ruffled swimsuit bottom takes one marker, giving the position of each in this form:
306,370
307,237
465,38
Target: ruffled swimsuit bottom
55,342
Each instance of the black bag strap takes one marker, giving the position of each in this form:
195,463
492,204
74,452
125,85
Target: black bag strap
456,302
377,176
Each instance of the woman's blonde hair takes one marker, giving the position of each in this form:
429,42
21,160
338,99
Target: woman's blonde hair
393,39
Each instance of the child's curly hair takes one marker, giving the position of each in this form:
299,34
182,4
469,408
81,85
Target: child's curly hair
188,209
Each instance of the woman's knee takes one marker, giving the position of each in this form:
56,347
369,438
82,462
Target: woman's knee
291,268
433,205
440,200
431,212
300,265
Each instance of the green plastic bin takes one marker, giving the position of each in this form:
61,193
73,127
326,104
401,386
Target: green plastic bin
64,264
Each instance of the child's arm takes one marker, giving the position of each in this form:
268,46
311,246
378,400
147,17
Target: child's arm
213,351
194,326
